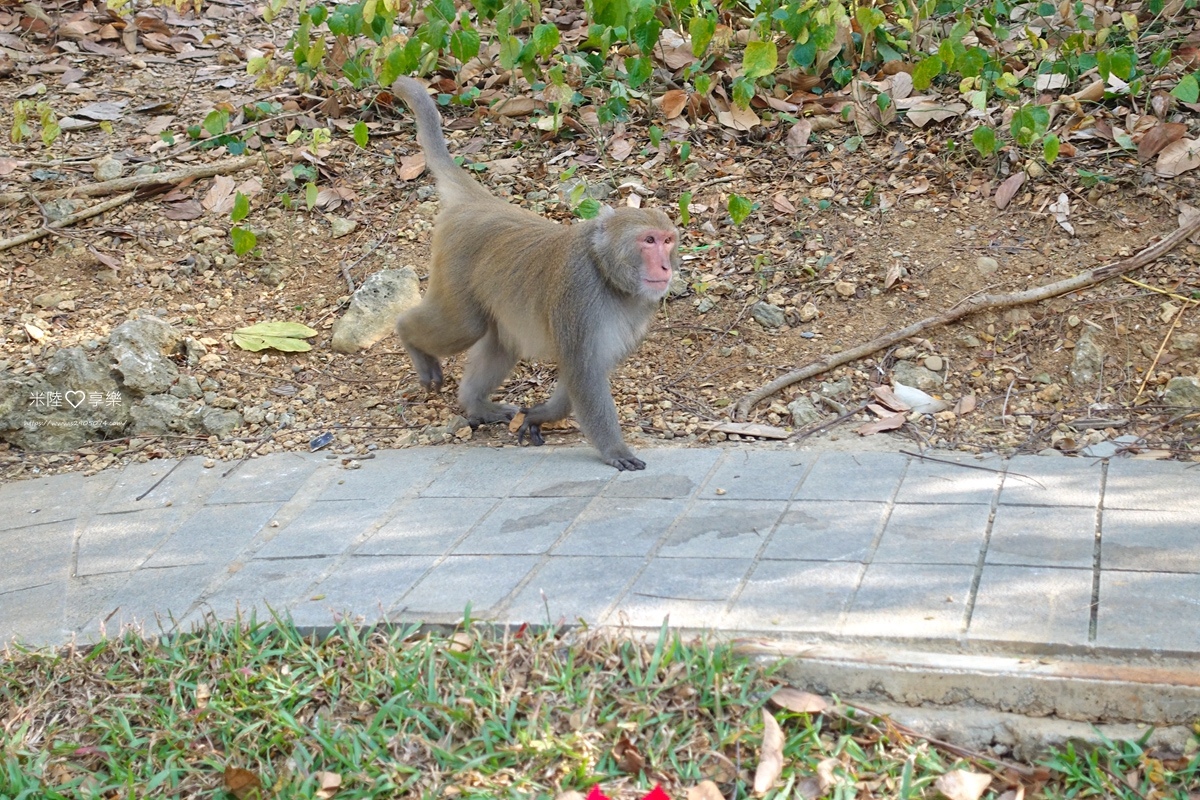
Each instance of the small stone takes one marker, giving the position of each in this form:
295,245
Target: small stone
911,374
934,364
1050,451
803,412
1182,392
705,304
1088,361
341,226
209,463
845,288
52,299
808,312
987,265
905,353
107,168
1051,394
767,315
1186,343
1100,450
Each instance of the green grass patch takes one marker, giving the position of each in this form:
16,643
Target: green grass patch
472,714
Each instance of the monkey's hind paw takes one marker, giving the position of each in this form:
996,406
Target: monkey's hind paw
626,463
533,430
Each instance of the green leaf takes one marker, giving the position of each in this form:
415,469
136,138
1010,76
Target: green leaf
701,30
243,240
759,59
743,91
645,35
464,45
310,195
442,8
685,214
639,70
361,135
925,71
317,14
285,336
1187,90
214,124
241,207
611,13
703,83
984,139
1029,123
1050,148
510,51
739,208
545,38
588,209
869,18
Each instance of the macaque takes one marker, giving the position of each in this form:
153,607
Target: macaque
507,284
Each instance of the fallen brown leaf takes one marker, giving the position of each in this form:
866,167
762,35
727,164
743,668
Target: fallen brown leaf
628,759
801,702
411,167
751,429
673,102
782,204
242,783
770,761
825,775
705,790
515,107
219,199
620,149
880,425
1159,137
797,138
963,785
1008,189
328,784
1177,158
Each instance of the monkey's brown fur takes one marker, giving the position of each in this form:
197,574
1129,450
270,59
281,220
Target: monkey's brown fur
508,284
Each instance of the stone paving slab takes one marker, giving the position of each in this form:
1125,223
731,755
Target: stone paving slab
1036,554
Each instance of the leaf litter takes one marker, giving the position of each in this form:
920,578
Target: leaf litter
896,218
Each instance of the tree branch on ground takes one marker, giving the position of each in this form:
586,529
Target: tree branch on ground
981,303
65,222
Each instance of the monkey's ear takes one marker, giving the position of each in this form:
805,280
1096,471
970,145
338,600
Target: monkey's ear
605,212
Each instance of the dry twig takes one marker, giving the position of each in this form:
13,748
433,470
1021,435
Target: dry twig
65,222
991,301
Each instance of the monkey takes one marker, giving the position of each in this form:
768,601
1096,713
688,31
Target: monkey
507,284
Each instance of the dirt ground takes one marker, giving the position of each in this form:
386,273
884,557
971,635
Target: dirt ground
874,238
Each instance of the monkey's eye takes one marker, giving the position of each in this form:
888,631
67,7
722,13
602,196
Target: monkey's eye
649,239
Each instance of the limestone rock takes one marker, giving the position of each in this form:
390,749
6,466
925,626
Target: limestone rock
1182,392
140,350
374,308
912,374
767,315
1088,362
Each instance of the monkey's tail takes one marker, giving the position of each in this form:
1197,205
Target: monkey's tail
429,136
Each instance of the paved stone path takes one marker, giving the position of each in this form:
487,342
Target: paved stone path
1034,554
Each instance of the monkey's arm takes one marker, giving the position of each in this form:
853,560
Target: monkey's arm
590,394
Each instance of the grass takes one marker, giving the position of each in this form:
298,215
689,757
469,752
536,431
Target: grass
409,713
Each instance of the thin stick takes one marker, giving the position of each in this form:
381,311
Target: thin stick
998,301
138,181
66,222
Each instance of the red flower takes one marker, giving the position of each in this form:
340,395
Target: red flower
655,794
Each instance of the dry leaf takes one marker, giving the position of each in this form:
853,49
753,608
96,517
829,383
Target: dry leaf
111,262
505,166
885,395
412,166
801,702
705,790
569,796
894,274
1092,93
920,185
328,783
7,165
628,759
1177,158
515,107
782,204
963,785
242,783
825,775
880,425
797,138
921,114
1159,137
620,149
461,642
1061,209
965,405
188,209
1008,190
219,199
732,116
516,422
770,761
751,429
673,103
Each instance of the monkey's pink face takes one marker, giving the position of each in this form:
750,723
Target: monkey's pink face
658,254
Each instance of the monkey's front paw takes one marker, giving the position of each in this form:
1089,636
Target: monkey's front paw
533,430
629,463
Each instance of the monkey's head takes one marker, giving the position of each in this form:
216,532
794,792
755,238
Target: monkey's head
638,250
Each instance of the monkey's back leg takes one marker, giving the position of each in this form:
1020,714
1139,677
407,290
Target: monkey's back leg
489,362
435,328
552,410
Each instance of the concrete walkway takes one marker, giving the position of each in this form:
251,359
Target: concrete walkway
1033,555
